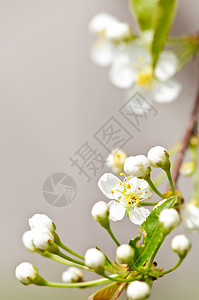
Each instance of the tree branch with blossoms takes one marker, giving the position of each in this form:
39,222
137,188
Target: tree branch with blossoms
146,62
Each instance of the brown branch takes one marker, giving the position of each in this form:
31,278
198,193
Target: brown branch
185,141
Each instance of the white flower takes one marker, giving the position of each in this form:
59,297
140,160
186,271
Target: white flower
41,220
27,241
169,218
95,260
99,23
137,166
118,32
43,239
100,213
190,217
126,196
132,68
180,244
158,157
115,160
26,273
125,254
72,275
138,290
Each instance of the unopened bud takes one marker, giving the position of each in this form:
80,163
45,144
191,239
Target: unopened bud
125,254
180,244
100,213
95,260
159,157
72,275
169,218
138,290
137,166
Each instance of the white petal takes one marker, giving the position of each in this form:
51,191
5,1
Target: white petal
138,215
121,74
102,53
107,183
99,22
116,211
166,66
142,184
167,91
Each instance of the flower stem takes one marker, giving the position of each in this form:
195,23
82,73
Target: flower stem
150,182
92,283
61,245
168,172
188,132
121,279
170,270
70,259
64,262
112,235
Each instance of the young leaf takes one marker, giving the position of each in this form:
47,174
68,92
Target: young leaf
163,19
144,11
151,233
106,293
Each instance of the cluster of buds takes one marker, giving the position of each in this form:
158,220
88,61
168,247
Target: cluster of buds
42,234
140,165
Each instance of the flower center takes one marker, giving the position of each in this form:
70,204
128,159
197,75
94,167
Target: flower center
145,77
128,196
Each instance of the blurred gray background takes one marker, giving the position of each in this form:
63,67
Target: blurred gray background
53,99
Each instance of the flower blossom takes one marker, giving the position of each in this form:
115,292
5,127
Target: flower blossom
126,197
132,69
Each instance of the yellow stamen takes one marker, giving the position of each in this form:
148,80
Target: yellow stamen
112,191
121,174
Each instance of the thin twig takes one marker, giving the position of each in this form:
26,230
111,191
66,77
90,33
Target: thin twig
185,141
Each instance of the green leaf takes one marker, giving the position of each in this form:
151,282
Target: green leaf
106,293
163,18
144,11
151,233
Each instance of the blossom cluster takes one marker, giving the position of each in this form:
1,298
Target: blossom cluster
130,60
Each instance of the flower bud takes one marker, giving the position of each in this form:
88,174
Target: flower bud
43,240
118,31
187,168
41,220
125,254
26,273
27,241
72,275
95,260
100,213
137,166
169,218
100,22
180,244
159,157
115,160
138,290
